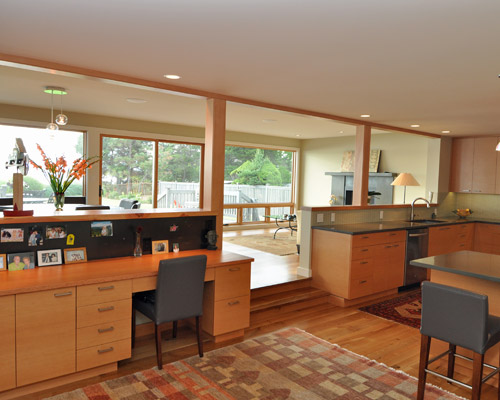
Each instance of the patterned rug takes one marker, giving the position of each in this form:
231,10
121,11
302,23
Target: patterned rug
289,364
404,309
283,245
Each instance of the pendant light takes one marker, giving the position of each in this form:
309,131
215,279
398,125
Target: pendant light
61,119
51,126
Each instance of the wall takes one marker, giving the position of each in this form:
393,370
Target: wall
399,153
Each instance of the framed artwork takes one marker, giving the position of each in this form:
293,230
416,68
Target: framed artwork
11,235
348,159
175,247
101,229
35,237
160,246
49,257
76,255
3,262
55,232
20,261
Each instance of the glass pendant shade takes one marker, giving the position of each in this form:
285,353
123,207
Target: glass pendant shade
61,119
52,127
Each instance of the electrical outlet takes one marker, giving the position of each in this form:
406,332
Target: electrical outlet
436,212
381,214
332,217
319,217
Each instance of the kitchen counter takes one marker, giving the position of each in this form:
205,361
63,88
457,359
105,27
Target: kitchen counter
467,263
383,226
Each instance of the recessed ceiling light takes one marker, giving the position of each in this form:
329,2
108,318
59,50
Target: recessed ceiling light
365,115
445,131
341,131
136,101
297,135
268,120
415,126
168,76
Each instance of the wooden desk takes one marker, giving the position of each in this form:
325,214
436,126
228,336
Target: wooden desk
80,315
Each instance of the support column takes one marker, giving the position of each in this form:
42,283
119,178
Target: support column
215,141
361,165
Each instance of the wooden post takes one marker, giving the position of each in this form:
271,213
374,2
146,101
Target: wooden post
17,187
361,165
215,142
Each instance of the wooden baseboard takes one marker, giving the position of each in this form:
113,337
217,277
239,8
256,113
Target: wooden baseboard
62,380
341,302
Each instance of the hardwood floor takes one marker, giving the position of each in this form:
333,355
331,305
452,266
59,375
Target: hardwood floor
385,341
267,269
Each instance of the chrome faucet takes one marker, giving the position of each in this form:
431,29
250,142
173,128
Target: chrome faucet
412,216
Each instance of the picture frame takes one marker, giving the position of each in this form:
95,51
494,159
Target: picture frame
9,235
101,229
3,262
20,261
49,257
56,231
76,255
160,246
35,235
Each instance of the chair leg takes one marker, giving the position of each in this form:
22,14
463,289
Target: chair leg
451,360
174,329
477,375
498,376
158,346
133,327
198,336
425,346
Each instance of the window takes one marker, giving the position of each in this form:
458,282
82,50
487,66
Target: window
128,172
55,144
257,180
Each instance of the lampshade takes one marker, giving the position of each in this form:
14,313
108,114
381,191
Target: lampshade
498,147
405,179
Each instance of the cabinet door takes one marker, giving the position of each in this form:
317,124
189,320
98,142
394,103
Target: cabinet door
7,343
441,240
45,335
484,166
462,156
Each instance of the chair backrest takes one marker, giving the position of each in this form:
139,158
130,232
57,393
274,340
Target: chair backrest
455,315
127,203
179,288
136,206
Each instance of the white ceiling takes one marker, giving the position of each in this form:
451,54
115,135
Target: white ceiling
434,63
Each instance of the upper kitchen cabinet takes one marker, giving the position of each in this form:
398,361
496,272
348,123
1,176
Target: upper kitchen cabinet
473,165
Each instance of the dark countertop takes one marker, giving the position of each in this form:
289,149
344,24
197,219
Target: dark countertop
469,263
382,226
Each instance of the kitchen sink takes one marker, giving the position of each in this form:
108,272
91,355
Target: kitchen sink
428,221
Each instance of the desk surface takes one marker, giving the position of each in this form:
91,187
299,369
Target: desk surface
468,263
98,271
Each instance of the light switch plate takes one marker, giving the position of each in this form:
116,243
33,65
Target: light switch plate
381,214
319,217
332,217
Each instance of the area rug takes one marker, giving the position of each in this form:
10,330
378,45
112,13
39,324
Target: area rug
283,245
405,309
289,364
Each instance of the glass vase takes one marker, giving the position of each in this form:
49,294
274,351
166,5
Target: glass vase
59,201
138,245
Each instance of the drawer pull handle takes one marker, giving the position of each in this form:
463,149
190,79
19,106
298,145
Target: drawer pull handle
388,247
365,237
234,269
233,303
364,262
105,350
101,288
110,329
392,234
444,229
363,281
364,249
110,308
63,294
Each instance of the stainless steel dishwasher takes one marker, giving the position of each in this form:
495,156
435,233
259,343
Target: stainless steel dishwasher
416,247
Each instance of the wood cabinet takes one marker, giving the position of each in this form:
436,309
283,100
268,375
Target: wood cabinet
474,165
450,238
7,342
354,266
45,335
487,238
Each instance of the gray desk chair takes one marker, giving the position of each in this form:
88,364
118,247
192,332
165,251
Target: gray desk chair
178,295
460,318
128,204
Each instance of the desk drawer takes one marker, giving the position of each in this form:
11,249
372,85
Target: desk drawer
104,312
361,286
231,315
361,268
104,354
359,253
103,333
232,281
378,238
103,292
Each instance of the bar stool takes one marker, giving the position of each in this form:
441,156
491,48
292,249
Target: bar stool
460,318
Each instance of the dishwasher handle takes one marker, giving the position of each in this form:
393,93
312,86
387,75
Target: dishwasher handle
417,234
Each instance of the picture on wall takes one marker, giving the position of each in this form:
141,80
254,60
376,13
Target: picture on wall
11,235
76,255
160,246
56,232
49,257
101,228
3,262
20,261
35,236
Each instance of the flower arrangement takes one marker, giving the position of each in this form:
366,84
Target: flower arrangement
58,174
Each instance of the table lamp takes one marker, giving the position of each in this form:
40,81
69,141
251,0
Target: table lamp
405,179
